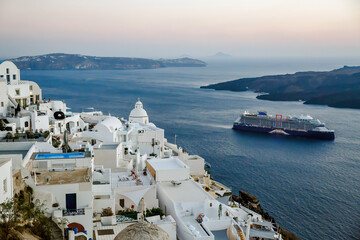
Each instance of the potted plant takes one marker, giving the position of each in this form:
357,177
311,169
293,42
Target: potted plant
107,217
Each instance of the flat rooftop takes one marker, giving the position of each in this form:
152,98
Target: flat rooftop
62,177
166,164
187,191
9,152
126,179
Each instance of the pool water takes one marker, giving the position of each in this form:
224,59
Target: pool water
59,155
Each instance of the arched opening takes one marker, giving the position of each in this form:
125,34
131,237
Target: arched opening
78,226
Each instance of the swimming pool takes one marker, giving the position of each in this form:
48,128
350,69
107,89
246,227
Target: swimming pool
60,155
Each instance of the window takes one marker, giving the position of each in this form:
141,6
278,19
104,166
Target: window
30,87
8,78
26,124
7,71
122,203
2,104
5,185
1,76
17,92
14,76
37,98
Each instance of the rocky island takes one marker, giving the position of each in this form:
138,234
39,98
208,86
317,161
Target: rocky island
62,61
336,88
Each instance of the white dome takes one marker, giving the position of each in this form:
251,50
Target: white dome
142,231
111,123
138,111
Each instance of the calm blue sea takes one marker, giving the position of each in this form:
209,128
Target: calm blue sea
311,187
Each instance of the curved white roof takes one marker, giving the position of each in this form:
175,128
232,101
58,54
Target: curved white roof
138,111
8,64
111,123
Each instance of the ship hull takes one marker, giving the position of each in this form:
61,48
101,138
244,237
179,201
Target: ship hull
270,130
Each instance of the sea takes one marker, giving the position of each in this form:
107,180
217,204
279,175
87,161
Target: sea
311,187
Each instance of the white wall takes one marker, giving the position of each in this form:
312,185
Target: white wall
6,174
107,157
40,122
24,93
4,100
20,122
12,70
101,203
196,164
169,227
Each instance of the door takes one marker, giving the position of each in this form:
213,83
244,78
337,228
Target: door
71,201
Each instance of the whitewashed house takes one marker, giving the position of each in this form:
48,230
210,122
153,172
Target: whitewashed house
6,179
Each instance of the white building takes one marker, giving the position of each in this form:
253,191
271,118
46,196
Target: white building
23,92
63,181
6,179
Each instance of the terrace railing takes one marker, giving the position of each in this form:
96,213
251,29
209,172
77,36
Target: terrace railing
74,212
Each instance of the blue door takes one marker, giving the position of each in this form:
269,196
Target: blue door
71,201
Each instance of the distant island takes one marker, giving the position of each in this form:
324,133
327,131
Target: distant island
62,61
337,88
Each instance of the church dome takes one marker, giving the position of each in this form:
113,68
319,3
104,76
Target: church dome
138,111
138,114
142,231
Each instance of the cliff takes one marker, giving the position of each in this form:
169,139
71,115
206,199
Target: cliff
249,201
337,88
61,61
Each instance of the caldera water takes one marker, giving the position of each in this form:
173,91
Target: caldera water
311,187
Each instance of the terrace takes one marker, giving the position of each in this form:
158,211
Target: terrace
129,178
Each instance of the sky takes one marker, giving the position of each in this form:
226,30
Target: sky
171,28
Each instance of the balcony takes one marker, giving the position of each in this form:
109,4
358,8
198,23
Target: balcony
73,212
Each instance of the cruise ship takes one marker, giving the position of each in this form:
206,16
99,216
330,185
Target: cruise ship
302,126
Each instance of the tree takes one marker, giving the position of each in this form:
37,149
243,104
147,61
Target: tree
22,212
9,219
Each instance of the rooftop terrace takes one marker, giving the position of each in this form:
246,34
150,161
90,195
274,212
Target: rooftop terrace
62,177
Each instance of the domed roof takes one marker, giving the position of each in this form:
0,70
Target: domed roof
111,123
142,231
138,111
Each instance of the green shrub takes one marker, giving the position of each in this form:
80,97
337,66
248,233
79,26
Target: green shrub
154,212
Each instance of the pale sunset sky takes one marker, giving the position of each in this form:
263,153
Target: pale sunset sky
170,28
